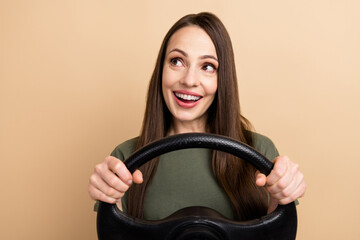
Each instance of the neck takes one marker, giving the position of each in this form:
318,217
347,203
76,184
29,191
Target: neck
178,127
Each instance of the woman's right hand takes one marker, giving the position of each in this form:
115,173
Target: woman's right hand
110,180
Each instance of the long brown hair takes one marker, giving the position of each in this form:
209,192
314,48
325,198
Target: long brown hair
224,118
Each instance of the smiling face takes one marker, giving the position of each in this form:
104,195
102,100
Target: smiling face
189,80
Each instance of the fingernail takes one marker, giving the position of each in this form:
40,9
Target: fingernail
118,200
129,182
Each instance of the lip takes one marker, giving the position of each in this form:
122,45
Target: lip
186,104
188,92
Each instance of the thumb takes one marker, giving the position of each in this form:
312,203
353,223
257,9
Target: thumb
260,179
137,177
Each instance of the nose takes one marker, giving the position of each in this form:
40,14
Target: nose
191,78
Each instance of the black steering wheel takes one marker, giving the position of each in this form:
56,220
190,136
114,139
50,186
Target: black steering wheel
196,222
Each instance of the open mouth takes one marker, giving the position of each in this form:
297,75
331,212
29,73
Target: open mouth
186,97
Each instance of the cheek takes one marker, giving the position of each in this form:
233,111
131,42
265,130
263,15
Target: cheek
167,79
166,86
211,87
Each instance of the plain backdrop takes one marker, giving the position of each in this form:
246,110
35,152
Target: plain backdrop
73,80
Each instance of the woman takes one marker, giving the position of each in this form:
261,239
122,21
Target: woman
194,89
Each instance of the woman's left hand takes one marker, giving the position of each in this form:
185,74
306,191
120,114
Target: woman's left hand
285,183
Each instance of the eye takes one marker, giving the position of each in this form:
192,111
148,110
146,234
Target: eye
176,62
208,67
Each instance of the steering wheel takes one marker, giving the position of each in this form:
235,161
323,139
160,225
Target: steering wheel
196,222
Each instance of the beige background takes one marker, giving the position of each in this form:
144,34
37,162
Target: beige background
73,76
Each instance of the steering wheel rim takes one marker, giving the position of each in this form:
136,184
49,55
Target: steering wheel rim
114,224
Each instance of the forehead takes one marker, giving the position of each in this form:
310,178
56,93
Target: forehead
192,39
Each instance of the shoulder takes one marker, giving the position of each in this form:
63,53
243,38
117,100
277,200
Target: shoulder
125,149
264,145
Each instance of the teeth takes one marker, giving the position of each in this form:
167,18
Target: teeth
187,97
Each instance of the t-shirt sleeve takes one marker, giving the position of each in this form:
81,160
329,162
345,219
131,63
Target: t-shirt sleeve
125,149
265,146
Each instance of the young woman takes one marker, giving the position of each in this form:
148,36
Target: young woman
194,89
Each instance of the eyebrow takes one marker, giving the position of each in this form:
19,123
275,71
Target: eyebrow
186,55
209,56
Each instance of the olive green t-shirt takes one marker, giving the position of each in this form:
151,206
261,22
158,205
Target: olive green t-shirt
184,178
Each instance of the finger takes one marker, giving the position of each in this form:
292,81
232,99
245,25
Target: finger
299,192
98,195
286,181
280,168
291,192
279,193
114,182
110,178
97,182
138,177
119,168
260,179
